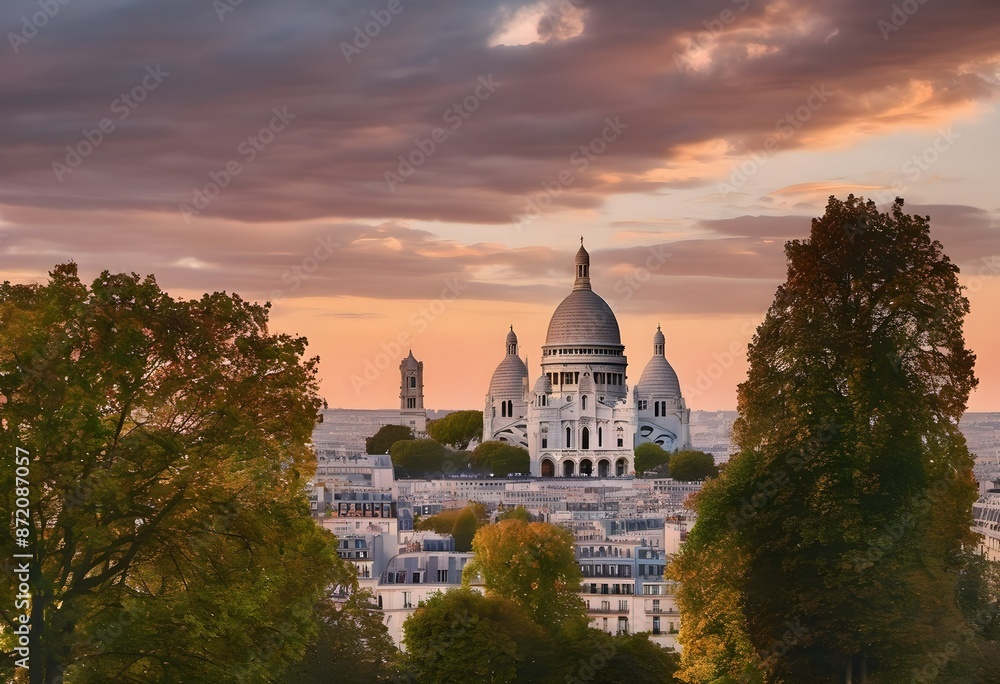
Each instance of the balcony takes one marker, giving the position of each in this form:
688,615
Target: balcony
663,611
609,611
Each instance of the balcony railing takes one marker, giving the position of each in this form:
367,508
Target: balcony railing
608,611
662,611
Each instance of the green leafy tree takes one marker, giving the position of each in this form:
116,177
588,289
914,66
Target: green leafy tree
457,429
532,564
833,541
353,646
461,636
420,457
500,459
691,466
387,435
592,655
650,456
461,523
517,513
168,443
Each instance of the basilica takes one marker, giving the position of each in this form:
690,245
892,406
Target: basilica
581,416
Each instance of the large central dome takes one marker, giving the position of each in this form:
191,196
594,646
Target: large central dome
583,317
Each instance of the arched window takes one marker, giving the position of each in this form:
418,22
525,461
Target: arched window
503,409
583,402
600,437
569,435
656,409
585,438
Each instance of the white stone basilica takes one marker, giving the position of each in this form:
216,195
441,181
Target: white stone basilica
581,417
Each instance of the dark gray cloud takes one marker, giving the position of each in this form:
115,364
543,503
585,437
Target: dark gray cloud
353,119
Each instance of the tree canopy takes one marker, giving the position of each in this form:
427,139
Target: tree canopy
500,459
352,642
387,435
421,457
168,443
691,465
532,564
833,540
650,456
457,429
462,636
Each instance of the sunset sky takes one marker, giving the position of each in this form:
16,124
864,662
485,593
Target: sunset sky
409,171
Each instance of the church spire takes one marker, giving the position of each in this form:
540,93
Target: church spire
582,281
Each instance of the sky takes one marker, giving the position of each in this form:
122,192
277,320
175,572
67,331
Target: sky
396,174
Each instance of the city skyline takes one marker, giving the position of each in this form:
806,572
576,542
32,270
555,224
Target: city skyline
398,175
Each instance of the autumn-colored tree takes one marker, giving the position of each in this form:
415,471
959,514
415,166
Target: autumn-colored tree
457,429
832,542
532,564
168,439
650,456
516,513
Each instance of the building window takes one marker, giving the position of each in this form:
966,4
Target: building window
569,435
600,437
656,625
585,438
442,575
413,382
545,443
583,404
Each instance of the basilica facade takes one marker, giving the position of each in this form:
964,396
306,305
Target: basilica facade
581,416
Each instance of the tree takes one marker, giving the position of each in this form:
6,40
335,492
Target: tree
353,645
421,456
532,564
517,513
170,536
461,523
691,466
461,636
650,456
833,540
387,435
464,530
500,459
457,429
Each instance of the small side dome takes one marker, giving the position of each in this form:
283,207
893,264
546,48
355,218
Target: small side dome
543,385
587,383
